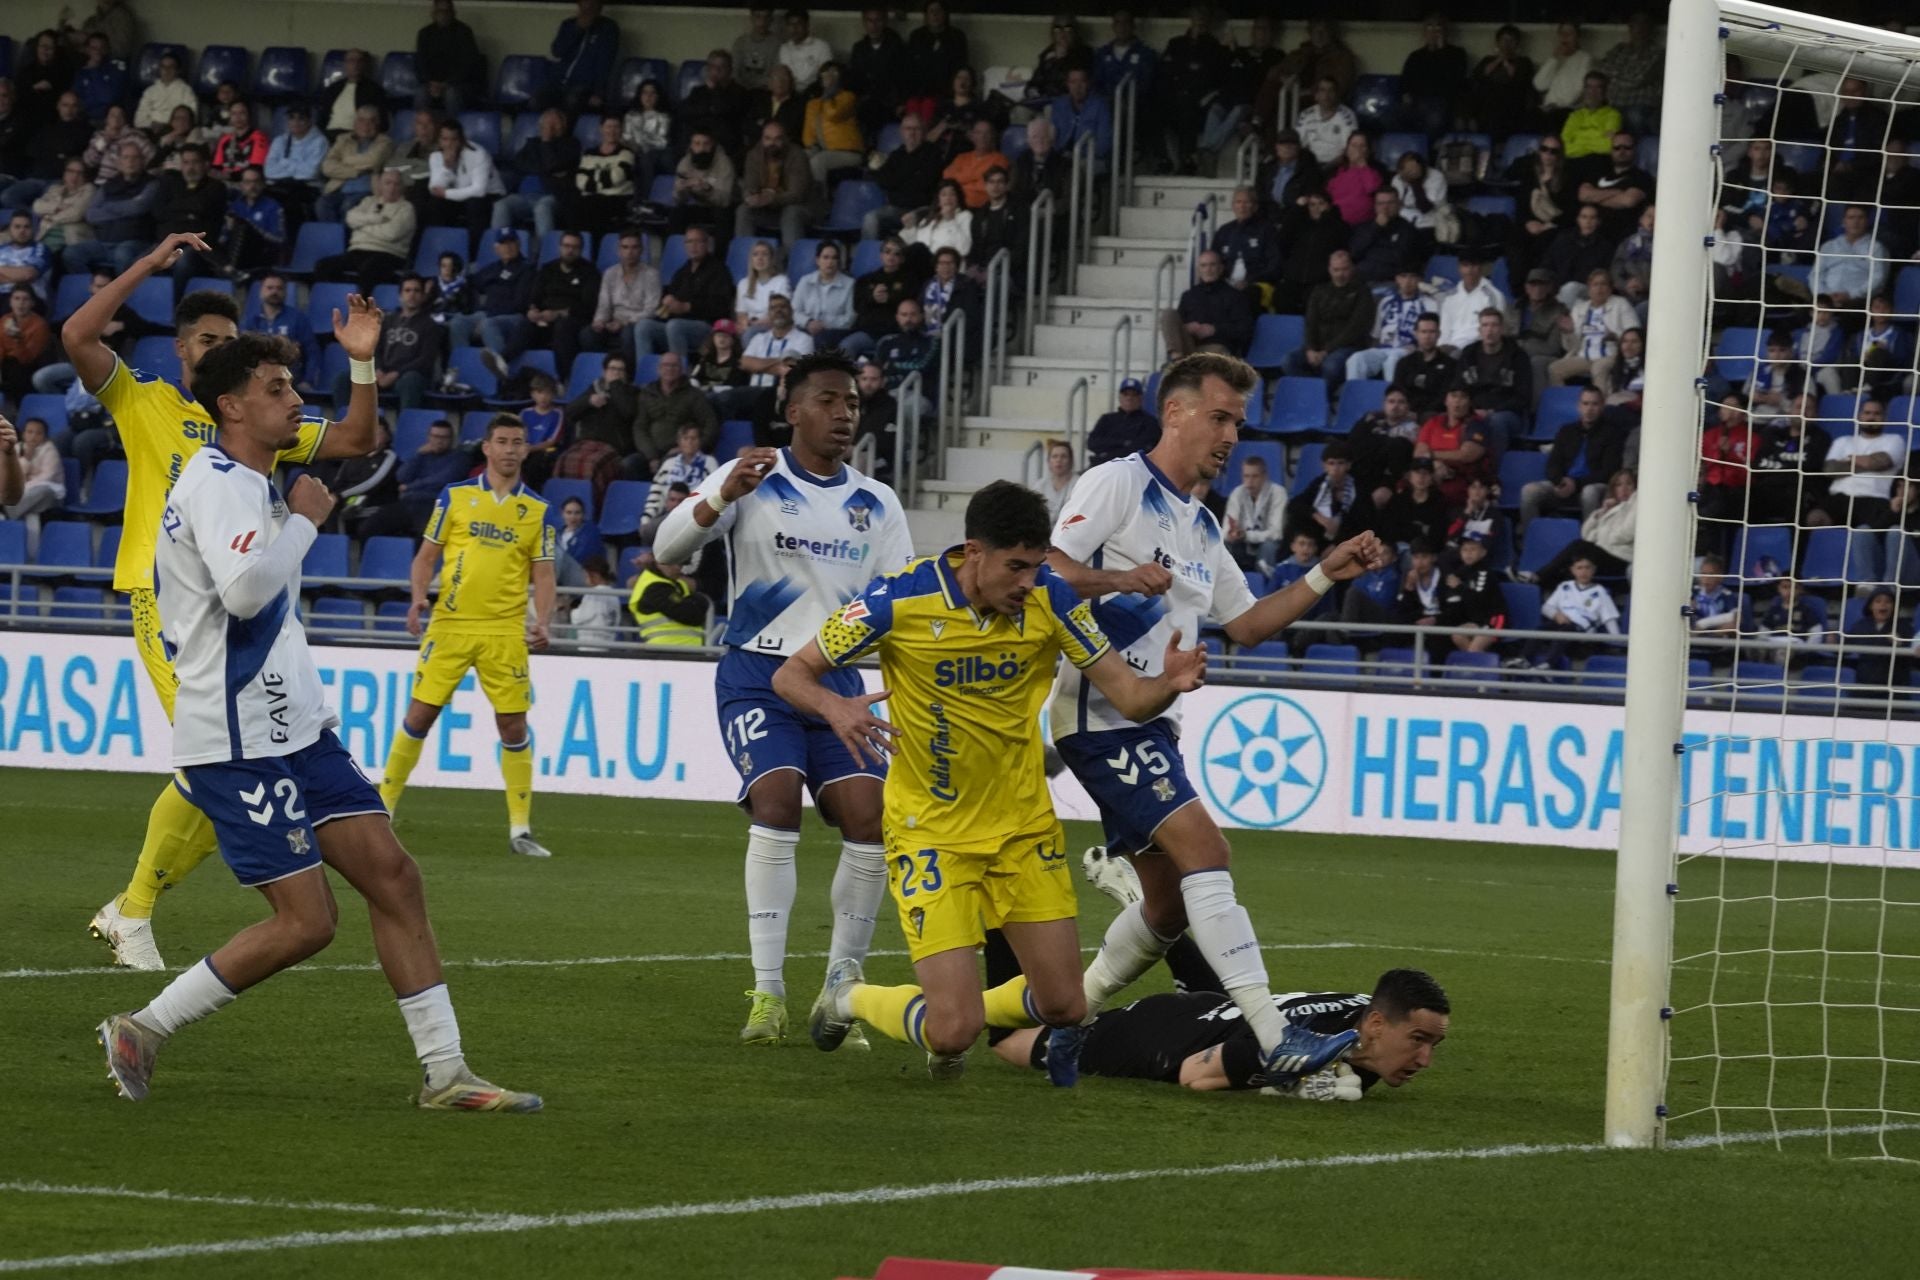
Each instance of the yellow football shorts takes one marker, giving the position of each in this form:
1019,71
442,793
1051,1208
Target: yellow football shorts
500,660
153,651
950,900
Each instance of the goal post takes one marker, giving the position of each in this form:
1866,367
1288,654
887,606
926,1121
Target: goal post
1794,989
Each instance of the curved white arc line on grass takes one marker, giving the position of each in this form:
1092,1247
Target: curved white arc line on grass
506,1224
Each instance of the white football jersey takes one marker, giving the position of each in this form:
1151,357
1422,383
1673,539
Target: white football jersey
1123,514
248,686
798,547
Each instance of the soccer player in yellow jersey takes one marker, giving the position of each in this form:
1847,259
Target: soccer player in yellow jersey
161,427
494,533
967,641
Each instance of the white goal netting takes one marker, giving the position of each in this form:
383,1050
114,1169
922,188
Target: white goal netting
1795,979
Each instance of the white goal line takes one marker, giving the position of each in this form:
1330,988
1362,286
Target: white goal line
516,1223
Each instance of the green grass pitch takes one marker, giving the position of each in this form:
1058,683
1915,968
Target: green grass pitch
667,1150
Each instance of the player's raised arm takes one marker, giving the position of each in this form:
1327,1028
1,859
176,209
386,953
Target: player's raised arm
688,526
358,334
251,580
1144,698
1273,614
81,335
13,479
851,718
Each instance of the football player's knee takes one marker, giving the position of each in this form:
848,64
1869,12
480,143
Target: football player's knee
953,1032
1061,1008
309,934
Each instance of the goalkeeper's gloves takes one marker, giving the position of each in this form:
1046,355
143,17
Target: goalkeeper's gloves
1338,1083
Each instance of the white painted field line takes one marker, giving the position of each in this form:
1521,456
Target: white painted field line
513,1224
238,1202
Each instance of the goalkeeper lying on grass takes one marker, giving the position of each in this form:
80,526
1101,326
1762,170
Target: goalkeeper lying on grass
1196,1037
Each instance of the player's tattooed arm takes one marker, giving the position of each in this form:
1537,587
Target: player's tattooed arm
1205,1071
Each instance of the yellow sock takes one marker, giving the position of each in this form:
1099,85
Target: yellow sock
402,754
899,1012
179,838
516,770
1008,1006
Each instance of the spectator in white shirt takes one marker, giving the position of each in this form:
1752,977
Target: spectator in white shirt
804,53
1393,325
823,300
628,293
1592,329
1256,515
758,287
770,351
1853,266
1579,605
1325,124
1563,77
1460,310
595,618
160,98
1058,482
1866,462
461,183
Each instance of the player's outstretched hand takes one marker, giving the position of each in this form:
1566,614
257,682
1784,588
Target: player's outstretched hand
416,612
9,438
537,635
311,499
359,332
1186,669
863,733
753,467
1360,554
168,251
1338,1083
1147,580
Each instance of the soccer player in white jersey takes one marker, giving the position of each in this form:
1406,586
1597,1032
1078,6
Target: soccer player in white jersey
1132,536
804,534
253,740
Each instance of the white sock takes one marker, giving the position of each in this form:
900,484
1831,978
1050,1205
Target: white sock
188,998
1219,924
859,884
1130,948
772,883
435,1031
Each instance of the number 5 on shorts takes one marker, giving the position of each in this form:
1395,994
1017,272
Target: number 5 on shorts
926,869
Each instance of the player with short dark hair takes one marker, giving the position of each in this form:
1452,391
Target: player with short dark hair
968,639
253,739
496,539
161,427
804,531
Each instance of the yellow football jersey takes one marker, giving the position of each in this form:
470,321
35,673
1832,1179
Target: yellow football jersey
161,427
492,542
967,692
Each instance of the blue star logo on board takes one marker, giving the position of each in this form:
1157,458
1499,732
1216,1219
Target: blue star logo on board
1264,760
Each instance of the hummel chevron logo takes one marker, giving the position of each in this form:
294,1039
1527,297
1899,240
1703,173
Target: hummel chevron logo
258,796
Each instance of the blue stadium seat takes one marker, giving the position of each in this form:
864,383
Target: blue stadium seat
1737,351
390,617
78,604
1493,206
67,544
1358,398
219,64
1546,538
338,613
314,241
626,502
1274,339
70,295
156,356
147,67
661,192
435,241
800,257
108,548
282,73
1299,405
469,369
333,67
209,284
319,382
1826,558
1558,407
1394,145
388,559
323,299
539,359
1840,413
586,130
523,77
1523,605
646,369
587,366
866,257
692,72
387,297
735,435
556,492
50,409
483,130
1825,675
889,139
525,127
1013,141
1332,661
1305,468
606,255
1516,146
399,77
1463,667
1374,99
1519,468
1762,542
635,72
852,202
738,250
410,431
13,542
1606,671
153,300
1273,453
1759,679
673,256
1906,292
326,558
473,425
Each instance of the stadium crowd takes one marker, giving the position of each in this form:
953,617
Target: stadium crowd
1442,269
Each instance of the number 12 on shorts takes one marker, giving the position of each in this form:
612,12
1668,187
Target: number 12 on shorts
919,871
748,726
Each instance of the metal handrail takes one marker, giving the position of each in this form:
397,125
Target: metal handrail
1246,161
1039,265
1079,208
993,345
1033,464
908,396
1078,397
1162,301
866,450
1200,233
1119,366
1126,101
950,401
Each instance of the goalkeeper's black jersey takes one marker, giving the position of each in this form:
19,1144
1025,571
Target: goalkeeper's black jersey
1150,1038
